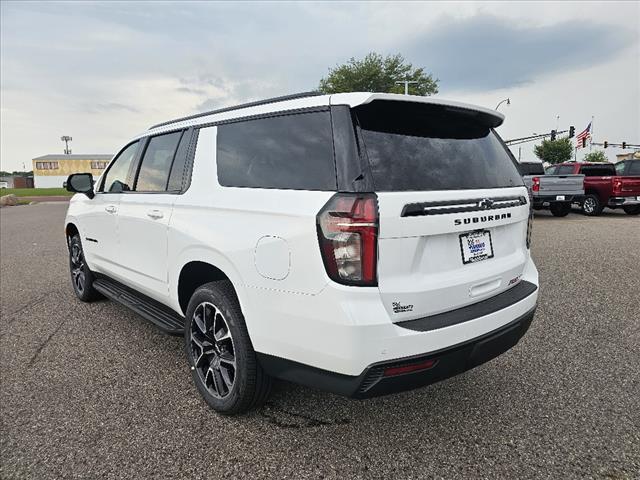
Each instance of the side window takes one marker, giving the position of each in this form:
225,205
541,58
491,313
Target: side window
634,168
117,178
156,163
288,152
620,168
177,170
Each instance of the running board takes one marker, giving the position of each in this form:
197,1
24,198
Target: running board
162,316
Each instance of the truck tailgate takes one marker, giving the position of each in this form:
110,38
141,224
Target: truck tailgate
561,184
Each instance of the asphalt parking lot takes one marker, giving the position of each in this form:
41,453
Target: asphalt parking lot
92,390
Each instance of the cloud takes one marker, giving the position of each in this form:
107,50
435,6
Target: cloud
136,64
109,107
488,52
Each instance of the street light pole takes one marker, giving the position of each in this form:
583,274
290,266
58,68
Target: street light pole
406,84
66,139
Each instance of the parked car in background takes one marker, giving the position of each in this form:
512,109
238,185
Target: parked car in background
555,192
359,243
604,187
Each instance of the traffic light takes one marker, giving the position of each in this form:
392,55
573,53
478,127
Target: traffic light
584,142
553,135
572,131
606,144
624,144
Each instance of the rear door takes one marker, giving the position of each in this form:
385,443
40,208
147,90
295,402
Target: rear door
144,215
453,209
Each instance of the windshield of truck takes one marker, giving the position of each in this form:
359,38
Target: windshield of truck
416,146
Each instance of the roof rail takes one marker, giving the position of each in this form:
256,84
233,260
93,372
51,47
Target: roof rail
238,107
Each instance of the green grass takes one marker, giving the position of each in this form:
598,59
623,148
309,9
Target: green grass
35,192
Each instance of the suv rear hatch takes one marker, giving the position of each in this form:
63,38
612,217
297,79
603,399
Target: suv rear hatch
453,211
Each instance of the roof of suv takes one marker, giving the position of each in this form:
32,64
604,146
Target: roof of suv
310,100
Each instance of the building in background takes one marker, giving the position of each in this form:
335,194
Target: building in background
627,156
52,170
16,181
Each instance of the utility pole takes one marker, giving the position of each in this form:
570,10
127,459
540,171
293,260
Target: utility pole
406,84
66,139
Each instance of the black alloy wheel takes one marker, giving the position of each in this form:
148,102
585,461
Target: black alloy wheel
212,350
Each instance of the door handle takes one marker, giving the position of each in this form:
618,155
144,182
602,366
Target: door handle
155,214
110,209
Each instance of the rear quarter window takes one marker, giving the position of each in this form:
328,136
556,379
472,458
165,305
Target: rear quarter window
287,152
419,147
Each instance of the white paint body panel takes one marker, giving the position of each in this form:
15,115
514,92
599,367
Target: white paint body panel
265,241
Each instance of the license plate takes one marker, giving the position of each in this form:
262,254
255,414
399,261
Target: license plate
559,197
476,246
638,197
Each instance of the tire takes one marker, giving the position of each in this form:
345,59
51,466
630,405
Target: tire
81,277
560,209
223,365
591,205
632,209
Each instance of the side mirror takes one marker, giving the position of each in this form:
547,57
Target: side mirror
80,183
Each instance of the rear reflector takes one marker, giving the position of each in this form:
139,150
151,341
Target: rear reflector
414,367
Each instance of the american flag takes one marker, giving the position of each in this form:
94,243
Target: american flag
586,133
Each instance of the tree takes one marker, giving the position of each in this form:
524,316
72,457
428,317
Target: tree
597,156
377,74
554,151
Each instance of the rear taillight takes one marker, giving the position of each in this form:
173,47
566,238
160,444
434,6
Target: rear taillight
617,185
348,235
536,184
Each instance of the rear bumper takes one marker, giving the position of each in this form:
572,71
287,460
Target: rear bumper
541,200
624,201
376,381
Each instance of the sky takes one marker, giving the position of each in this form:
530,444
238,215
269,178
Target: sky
102,72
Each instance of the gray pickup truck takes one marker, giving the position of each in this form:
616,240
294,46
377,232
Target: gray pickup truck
555,192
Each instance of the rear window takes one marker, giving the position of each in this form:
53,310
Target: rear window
598,170
564,170
414,146
531,169
287,152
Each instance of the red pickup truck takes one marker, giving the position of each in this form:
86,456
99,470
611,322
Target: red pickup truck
604,186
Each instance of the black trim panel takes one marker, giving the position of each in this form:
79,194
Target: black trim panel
371,382
461,206
486,307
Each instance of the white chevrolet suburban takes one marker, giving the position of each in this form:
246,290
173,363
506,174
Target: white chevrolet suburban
357,243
